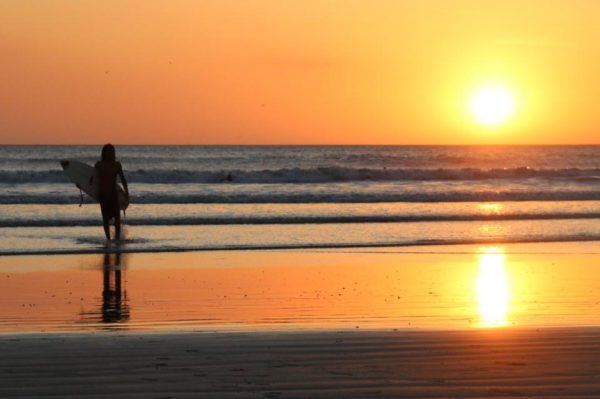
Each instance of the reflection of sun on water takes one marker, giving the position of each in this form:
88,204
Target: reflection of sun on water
493,208
492,288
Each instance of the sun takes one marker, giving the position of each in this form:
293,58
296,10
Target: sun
492,105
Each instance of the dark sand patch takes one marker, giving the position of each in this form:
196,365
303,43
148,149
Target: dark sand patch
506,363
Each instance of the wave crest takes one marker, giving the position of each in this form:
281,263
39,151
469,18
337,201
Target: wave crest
316,175
315,197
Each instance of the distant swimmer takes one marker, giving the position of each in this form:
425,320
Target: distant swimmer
107,171
228,178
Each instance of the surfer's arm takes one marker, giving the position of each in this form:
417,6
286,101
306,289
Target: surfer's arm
123,180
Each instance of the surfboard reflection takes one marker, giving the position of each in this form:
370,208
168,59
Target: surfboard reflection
114,308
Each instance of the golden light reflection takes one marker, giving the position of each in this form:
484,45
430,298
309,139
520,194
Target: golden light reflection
492,288
494,208
491,229
290,289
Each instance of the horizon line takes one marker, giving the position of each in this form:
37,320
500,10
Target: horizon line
306,145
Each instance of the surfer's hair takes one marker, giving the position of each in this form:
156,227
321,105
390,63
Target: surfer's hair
108,152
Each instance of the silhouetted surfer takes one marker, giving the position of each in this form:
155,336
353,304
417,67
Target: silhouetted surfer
107,170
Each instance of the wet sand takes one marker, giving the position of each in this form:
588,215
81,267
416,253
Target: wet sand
505,363
512,322
460,287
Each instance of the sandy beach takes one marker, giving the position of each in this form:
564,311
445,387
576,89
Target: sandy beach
561,363
511,321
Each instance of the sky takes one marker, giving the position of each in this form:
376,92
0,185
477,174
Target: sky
296,72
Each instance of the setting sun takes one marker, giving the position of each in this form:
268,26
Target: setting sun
492,105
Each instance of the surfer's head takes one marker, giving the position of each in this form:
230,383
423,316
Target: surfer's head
108,152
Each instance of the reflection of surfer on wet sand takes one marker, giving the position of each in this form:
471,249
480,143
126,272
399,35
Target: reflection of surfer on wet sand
113,306
114,296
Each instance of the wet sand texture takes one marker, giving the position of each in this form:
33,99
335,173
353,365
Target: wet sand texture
501,363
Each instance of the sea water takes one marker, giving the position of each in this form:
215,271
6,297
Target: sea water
223,197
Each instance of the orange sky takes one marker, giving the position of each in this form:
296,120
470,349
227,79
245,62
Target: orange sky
296,72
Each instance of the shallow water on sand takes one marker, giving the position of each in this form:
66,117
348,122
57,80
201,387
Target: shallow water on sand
457,287
170,238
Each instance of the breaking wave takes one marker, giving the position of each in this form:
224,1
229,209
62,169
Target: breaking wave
315,175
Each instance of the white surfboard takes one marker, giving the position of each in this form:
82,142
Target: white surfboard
84,177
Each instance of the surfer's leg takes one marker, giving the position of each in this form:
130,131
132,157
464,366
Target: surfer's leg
117,224
105,220
106,225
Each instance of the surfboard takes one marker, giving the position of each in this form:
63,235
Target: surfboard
84,177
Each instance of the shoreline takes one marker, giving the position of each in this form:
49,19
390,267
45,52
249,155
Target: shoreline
507,363
424,243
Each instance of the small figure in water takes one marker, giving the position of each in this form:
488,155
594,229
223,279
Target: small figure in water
107,170
227,178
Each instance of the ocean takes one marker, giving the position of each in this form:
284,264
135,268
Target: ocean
256,197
